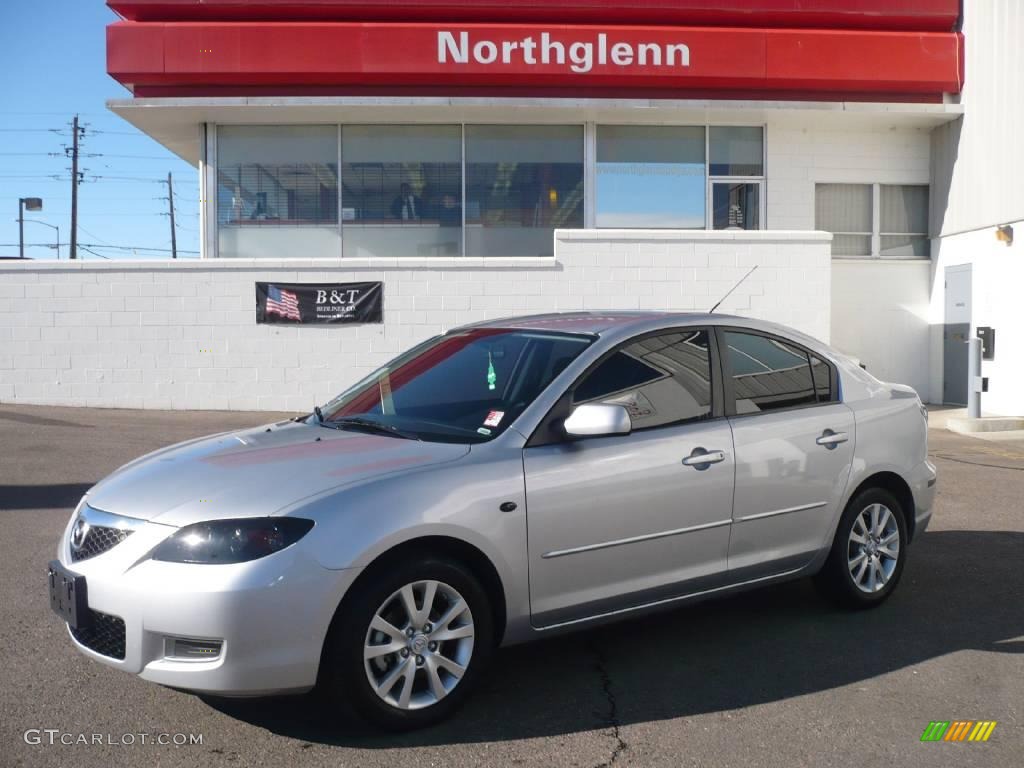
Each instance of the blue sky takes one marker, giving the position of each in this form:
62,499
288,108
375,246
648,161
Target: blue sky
52,65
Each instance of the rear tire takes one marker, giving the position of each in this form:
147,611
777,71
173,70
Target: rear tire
409,646
868,552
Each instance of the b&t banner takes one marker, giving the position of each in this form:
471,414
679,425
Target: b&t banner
319,303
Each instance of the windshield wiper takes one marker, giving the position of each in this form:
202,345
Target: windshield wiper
356,422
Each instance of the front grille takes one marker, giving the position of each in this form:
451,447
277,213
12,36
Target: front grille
102,633
98,540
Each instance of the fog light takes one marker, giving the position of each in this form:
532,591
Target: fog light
184,649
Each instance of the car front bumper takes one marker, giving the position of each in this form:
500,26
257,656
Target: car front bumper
270,615
923,479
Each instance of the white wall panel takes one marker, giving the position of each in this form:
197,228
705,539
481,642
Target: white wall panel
184,334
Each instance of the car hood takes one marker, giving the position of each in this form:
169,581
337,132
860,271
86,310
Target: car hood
257,472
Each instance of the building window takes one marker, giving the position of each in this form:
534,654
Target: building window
736,177
903,225
522,183
874,220
736,151
650,177
277,191
421,190
735,205
680,177
845,211
401,190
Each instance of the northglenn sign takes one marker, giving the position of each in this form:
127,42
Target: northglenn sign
277,58
580,55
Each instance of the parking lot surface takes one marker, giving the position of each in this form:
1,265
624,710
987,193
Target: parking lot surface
770,678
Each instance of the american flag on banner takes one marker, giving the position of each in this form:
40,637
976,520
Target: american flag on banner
283,303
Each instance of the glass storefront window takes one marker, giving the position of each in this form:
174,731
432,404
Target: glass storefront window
277,191
401,190
650,177
736,151
423,190
522,183
735,205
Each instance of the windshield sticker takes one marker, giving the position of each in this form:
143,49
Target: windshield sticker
492,377
494,418
483,431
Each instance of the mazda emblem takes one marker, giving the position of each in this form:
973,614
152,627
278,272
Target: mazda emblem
78,534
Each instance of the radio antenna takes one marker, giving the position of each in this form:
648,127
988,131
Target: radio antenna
738,284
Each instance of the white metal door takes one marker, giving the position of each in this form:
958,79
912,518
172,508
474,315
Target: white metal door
955,333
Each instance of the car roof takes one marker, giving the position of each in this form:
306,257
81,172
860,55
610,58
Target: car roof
600,322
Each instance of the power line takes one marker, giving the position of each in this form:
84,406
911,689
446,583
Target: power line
90,234
100,246
100,132
96,177
89,250
132,157
136,248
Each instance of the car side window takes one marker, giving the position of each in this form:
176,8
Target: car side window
660,380
769,374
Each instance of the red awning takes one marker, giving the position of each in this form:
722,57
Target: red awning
910,15
221,58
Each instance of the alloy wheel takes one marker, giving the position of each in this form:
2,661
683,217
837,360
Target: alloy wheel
873,548
419,644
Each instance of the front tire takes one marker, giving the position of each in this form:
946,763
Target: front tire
868,552
407,649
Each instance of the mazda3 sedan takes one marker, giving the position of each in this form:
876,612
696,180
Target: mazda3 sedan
502,482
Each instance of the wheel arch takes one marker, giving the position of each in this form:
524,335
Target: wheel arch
898,487
437,545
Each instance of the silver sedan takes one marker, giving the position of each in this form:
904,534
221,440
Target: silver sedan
499,483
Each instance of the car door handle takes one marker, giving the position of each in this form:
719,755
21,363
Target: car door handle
831,439
702,459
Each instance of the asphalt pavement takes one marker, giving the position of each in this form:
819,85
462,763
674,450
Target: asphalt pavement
776,677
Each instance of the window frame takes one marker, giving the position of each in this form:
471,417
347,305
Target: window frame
597,126
876,234
548,433
210,169
758,181
727,375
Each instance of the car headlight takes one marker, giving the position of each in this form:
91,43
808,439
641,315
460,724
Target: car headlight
231,541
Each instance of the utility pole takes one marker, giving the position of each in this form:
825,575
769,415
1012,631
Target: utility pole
170,202
73,248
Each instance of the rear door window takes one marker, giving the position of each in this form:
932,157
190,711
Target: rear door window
768,374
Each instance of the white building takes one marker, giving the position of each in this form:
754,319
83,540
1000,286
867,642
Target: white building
508,158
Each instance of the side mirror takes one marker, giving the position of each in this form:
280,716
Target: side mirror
594,419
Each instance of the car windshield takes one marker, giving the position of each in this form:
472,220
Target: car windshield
465,387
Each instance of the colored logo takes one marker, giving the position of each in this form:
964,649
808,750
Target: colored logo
958,730
283,303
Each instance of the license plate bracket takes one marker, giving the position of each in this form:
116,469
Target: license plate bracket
69,596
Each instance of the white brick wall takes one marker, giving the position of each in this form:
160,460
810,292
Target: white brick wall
800,157
184,335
